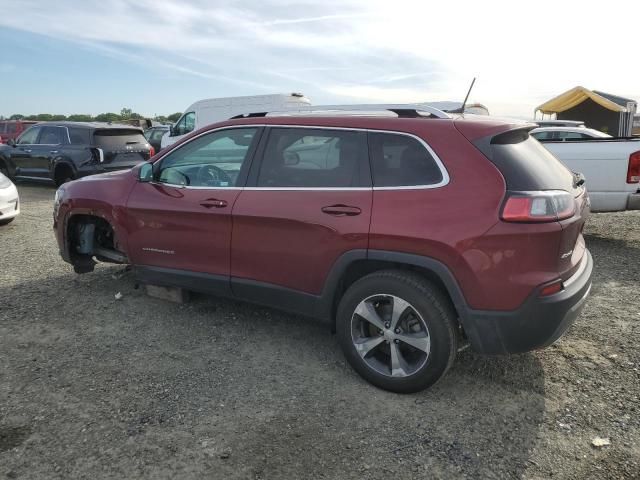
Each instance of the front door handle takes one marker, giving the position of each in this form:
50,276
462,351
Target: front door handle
213,203
53,152
341,210
26,150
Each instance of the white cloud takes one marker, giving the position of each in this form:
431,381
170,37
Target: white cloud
363,50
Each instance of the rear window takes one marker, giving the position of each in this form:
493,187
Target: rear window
525,164
118,139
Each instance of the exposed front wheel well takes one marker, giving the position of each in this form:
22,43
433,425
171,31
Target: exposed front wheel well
91,237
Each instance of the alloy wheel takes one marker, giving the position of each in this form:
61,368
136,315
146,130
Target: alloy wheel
390,335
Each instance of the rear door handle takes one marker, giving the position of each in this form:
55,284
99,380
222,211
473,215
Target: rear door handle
341,210
213,203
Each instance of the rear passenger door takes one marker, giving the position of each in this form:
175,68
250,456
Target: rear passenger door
307,202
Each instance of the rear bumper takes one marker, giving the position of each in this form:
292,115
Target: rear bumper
633,203
537,324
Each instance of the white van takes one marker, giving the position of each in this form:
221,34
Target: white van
212,110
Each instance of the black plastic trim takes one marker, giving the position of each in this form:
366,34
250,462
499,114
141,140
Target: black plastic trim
196,281
275,296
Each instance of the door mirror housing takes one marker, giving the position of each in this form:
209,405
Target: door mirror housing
145,174
11,142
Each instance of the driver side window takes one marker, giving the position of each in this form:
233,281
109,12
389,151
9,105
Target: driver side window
186,124
213,160
29,137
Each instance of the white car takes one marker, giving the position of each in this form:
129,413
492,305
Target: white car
566,133
9,201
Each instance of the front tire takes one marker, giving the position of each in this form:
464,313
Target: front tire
7,221
397,330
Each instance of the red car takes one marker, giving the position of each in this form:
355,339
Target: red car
410,234
11,129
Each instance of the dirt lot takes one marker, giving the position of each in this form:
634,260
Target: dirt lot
94,387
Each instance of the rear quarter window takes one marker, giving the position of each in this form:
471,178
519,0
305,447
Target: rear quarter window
118,139
79,136
402,161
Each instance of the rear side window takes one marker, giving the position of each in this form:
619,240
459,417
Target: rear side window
53,136
118,138
3,126
525,164
401,161
12,127
79,136
314,158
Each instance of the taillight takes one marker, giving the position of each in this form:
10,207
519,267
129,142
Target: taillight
544,206
152,151
633,173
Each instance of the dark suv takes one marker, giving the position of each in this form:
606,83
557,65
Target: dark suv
62,151
409,235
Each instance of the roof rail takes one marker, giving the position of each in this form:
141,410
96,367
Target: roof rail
402,110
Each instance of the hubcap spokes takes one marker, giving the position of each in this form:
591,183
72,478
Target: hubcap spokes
390,335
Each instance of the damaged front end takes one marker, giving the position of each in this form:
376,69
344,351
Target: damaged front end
90,240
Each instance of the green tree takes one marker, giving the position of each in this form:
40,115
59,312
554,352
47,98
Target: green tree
80,117
136,115
58,117
107,117
16,116
44,117
174,116
125,113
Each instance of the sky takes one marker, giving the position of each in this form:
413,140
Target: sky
159,56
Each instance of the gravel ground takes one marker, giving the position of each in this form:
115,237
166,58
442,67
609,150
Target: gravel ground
94,387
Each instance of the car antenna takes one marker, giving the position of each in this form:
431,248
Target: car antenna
464,104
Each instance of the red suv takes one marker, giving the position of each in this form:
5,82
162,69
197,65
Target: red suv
11,129
409,233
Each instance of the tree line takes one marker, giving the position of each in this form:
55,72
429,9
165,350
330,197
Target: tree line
125,114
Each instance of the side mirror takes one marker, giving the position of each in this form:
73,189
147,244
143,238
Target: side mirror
145,174
291,159
172,131
11,142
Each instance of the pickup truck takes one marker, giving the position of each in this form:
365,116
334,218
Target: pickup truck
611,168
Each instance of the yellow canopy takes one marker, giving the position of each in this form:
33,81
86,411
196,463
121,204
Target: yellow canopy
573,97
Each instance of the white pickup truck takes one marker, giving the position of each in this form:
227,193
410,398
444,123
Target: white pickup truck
611,168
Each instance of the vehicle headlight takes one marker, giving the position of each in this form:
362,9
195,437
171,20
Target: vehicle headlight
57,200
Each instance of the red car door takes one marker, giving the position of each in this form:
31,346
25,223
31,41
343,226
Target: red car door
181,220
310,203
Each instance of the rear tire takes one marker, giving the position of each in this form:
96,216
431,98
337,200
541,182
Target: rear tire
397,330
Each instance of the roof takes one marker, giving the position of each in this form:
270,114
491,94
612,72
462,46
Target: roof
576,96
615,98
101,125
